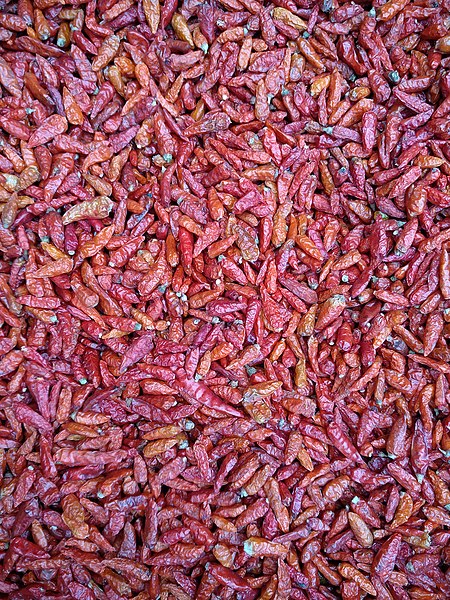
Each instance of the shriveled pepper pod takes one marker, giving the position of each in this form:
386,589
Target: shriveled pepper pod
224,299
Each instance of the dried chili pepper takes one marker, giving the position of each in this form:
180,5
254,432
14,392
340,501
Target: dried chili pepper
224,299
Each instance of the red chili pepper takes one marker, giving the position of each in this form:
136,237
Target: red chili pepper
200,393
224,297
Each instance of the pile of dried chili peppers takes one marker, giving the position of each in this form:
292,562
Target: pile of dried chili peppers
224,299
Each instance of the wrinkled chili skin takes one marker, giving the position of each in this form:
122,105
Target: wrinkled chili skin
224,299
